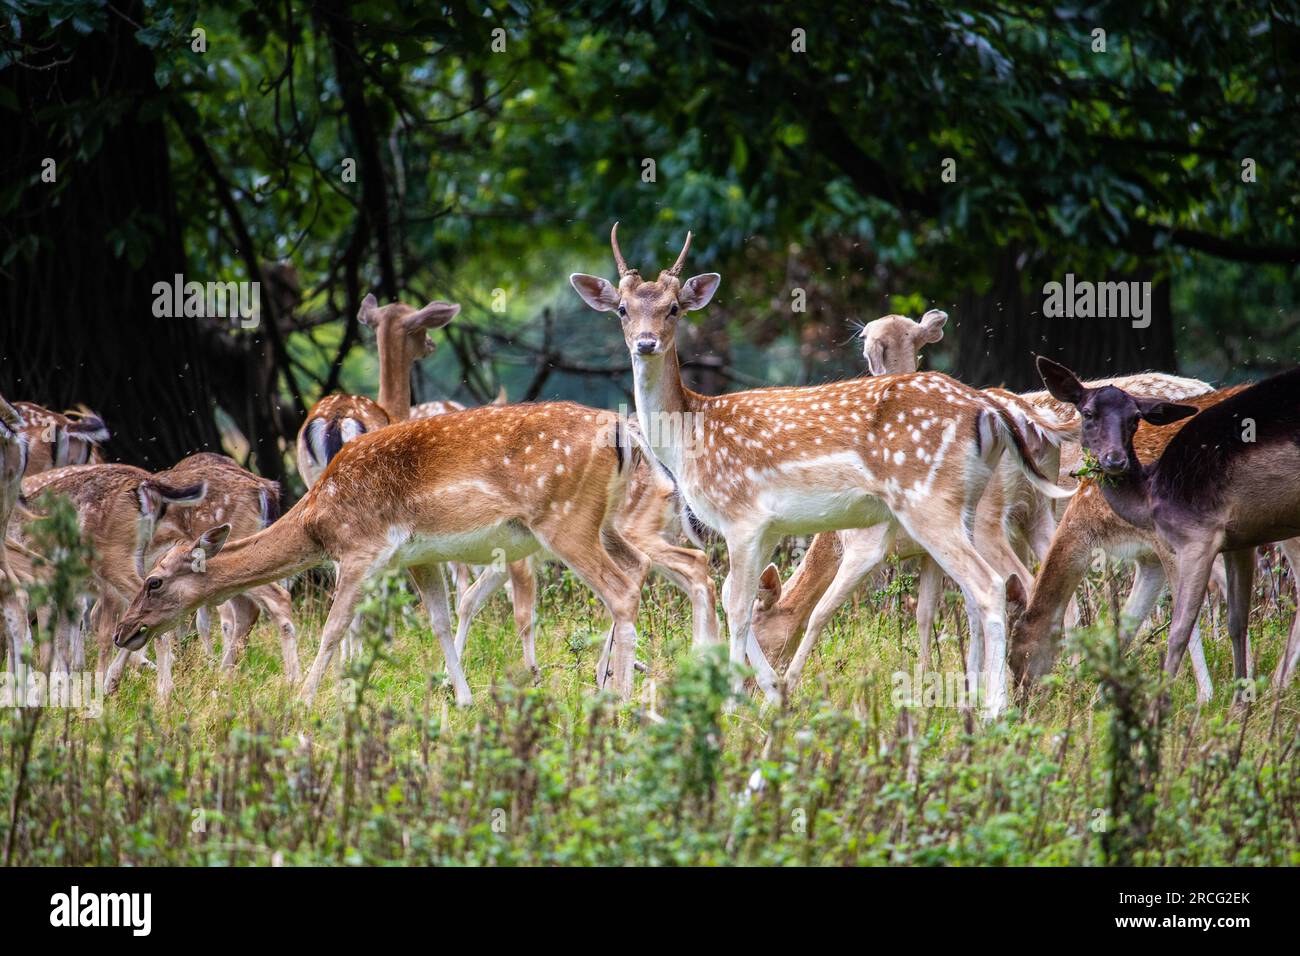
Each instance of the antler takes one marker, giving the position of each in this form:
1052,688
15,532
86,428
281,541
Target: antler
618,253
676,270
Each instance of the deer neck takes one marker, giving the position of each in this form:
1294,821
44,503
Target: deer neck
1127,493
273,553
663,405
394,383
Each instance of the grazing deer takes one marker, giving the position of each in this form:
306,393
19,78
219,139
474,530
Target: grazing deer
914,451
402,338
14,630
55,439
472,486
118,508
248,503
1225,483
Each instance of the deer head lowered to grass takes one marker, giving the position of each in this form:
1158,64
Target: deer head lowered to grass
494,483
1225,483
914,451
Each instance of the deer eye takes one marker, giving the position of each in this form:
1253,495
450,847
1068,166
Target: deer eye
622,310
154,584
672,310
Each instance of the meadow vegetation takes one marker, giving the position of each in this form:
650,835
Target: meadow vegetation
386,770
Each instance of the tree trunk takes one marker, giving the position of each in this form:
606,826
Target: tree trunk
78,306
997,334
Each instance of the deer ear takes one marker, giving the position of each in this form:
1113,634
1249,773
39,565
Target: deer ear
10,418
698,290
1159,412
369,311
433,316
930,328
213,540
151,502
1017,599
1062,384
874,353
769,587
598,293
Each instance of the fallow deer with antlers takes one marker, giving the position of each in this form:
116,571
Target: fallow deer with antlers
916,451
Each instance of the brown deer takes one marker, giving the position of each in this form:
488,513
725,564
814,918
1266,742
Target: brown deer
248,503
118,508
402,337
55,439
1225,483
472,486
916,451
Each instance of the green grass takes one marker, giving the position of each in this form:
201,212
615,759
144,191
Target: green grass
386,770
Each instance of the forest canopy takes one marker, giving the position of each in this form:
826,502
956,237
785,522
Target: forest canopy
833,166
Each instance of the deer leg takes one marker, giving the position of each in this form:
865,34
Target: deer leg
863,551
203,624
1191,576
620,593
433,592
79,634
1148,582
689,570
984,589
1201,671
472,600
975,649
17,630
166,658
462,577
1240,568
523,598
244,613
929,592
746,555
64,625
278,604
1291,652
347,595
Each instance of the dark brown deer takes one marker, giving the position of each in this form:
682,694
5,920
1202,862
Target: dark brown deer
1226,483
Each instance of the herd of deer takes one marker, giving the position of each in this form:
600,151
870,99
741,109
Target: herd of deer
898,463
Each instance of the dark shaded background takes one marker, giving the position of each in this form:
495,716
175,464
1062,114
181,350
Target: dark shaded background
803,145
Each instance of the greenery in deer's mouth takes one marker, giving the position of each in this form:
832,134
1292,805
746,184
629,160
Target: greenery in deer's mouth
1091,469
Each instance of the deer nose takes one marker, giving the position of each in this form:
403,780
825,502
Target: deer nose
1114,461
647,344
